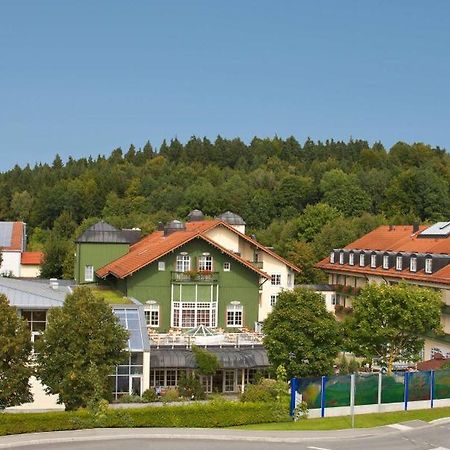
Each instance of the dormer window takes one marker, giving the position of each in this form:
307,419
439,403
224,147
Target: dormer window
385,261
341,257
351,258
399,262
428,264
373,260
332,257
413,264
362,259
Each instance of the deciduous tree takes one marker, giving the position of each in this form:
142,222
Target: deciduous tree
15,351
79,349
389,322
301,334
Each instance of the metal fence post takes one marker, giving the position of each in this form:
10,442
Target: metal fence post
406,390
432,388
322,397
294,387
352,398
380,387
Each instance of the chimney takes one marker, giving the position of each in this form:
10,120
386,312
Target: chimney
160,226
391,227
53,284
415,226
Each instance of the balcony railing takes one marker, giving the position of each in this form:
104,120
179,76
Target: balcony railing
346,290
258,264
191,276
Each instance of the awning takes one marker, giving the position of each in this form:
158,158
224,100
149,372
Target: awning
229,358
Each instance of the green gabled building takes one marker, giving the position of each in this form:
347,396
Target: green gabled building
182,277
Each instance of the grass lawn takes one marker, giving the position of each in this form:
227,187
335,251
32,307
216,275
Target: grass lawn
111,296
361,421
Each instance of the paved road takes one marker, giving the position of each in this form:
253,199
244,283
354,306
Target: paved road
414,435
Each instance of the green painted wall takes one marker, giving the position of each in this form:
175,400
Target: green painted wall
239,284
97,255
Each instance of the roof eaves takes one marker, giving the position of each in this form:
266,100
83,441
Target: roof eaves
236,257
260,246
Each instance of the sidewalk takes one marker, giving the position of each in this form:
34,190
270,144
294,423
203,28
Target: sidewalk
104,434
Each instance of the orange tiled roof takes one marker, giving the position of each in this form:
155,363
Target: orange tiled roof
16,237
398,239
31,258
156,245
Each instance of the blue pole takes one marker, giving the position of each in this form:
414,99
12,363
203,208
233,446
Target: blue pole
407,374
294,387
432,388
322,397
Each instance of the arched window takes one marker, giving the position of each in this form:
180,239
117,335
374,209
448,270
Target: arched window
235,313
151,312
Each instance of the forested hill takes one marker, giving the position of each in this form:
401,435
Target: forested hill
302,199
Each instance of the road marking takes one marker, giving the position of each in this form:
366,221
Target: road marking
399,426
319,448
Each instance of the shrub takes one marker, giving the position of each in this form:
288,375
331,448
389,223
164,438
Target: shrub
149,396
129,399
171,395
207,362
191,388
264,391
195,415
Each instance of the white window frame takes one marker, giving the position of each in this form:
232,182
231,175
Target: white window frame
235,316
385,261
332,257
373,260
275,279
205,263
413,264
226,266
290,278
428,265
273,300
193,307
399,262
341,257
161,266
362,259
183,263
351,259
88,272
152,315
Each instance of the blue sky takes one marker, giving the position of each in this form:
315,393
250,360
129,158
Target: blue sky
83,77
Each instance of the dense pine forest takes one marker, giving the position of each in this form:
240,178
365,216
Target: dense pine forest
301,199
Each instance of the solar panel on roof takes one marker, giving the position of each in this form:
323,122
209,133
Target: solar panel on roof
6,234
440,229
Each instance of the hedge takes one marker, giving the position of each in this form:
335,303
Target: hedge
211,415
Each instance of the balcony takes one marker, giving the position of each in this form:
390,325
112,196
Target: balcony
346,290
195,276
257,264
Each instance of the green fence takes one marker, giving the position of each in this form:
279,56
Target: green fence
371,389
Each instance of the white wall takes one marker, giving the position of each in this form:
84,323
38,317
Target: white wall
41,400
224,237
30,271
271,266
11,263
